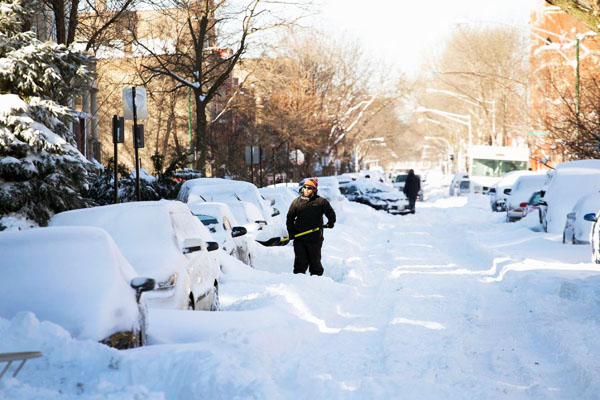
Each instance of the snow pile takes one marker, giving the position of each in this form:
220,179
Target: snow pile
450,302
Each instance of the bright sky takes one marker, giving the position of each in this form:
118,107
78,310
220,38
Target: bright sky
404,31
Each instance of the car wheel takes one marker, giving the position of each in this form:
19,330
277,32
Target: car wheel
191,303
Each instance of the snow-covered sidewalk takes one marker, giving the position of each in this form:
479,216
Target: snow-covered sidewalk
448,303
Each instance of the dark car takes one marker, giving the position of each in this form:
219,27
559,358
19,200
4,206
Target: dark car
375,194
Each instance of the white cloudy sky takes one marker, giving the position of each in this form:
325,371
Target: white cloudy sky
402,31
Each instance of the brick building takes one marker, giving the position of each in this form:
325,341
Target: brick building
564,51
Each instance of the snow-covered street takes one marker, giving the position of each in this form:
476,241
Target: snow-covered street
449,303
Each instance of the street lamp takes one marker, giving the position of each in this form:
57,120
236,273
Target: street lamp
356,154
468,100
464,119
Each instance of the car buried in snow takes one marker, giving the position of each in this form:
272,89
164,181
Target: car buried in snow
224,227
164,241
77,278
577,229
375,194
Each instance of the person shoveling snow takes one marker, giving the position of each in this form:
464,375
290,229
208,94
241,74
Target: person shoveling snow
304,222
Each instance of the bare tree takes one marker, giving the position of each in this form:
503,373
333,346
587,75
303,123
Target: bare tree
317,94
572,121
202,42
483,72
89,21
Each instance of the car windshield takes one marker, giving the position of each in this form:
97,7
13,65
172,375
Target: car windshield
401,178
374,190
464,184
208,220
496,168
348,189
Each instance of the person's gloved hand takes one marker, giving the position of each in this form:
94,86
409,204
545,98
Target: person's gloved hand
329,225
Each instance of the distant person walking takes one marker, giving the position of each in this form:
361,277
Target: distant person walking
306,213
412,185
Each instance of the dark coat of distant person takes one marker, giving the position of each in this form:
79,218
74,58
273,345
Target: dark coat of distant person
412,185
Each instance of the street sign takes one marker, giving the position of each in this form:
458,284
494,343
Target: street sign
140,103
297,157
255,156
138,137
118,129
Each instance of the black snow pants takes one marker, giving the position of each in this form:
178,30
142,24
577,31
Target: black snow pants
308,255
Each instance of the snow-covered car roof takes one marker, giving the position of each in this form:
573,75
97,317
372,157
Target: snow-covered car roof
73,276
593,164
511,177
524,187
373,187
143,230
219,189
282,195
589,203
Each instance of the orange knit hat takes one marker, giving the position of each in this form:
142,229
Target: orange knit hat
314,182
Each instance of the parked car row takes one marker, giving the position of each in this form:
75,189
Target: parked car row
565,200
114,261
375,194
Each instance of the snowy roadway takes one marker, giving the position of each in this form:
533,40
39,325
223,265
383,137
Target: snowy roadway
449,303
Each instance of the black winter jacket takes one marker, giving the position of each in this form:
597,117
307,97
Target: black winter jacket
306,214
412,185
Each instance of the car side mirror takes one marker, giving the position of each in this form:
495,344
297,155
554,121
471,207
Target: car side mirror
238,231
192,244
590,217
275,212
212,246
507,191
142,285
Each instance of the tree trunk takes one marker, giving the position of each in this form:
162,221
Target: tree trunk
58,6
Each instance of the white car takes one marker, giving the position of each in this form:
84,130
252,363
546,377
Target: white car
499,192
459,176
463,187
77,278
245,201
520,193
218,189
569,182
218,218
164,241
577,229
281,195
